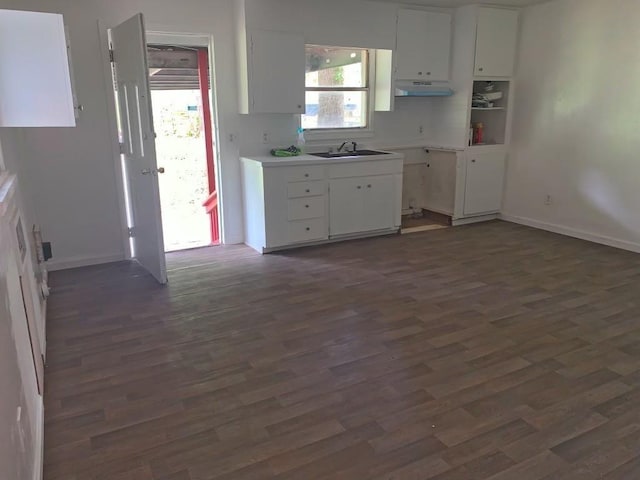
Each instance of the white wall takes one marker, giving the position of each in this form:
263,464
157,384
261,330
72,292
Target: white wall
576,131
14,462
20,434
11,141
70,174
353,23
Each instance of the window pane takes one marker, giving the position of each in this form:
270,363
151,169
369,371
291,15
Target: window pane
336,67
335,110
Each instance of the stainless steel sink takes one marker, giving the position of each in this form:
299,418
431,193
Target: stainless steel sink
357,153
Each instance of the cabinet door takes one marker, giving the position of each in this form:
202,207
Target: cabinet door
276,76
423,45
484,184
35,83
496,40
379,202
346,206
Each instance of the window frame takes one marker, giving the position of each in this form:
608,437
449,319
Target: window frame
350,132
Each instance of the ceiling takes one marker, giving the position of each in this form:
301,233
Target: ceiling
458,3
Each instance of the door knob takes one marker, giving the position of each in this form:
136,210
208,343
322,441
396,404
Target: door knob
147,171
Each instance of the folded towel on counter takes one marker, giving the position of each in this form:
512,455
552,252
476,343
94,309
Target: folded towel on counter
292,151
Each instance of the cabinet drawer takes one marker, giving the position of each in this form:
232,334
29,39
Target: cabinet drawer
303,208
302,174
306,189
364,169
307,230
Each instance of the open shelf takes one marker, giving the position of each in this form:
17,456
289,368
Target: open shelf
494,118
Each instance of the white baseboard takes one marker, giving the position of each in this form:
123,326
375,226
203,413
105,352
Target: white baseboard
573,232
38,464
85,261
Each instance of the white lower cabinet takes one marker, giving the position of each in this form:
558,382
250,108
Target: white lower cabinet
290,205
379,212
484,182
362,204
466,185
346,205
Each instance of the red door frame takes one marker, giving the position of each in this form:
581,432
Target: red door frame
211,203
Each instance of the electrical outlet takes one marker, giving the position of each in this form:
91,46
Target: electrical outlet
548,200
265,137
232,137
421,129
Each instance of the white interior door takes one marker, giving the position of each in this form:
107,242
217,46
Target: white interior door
129,47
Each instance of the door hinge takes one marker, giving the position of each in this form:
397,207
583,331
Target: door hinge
122,149
111,57
132,232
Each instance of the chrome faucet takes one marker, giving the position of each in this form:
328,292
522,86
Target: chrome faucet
353,144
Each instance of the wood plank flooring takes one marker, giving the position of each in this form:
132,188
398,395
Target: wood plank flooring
490,351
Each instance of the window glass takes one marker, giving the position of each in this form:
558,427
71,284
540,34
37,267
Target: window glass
337,85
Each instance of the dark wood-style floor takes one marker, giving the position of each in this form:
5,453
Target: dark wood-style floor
482,352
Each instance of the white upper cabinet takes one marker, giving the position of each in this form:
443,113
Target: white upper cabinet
275,78
423,45
496,40
35,84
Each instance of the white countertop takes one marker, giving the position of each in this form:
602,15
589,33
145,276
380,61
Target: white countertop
270,161
427,146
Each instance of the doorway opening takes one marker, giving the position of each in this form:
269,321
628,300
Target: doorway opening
179,79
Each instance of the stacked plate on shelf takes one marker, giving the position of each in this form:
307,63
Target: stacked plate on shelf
485,100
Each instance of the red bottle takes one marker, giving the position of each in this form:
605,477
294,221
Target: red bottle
478,137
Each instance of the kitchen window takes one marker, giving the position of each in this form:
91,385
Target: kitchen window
337,88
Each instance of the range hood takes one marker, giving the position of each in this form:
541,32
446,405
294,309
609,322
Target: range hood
423,89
